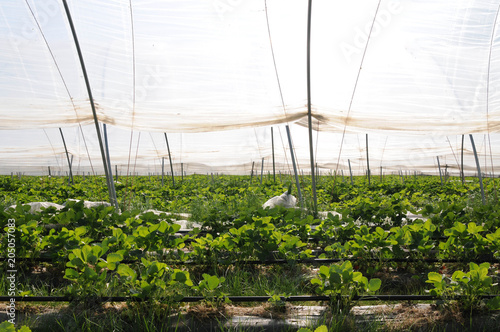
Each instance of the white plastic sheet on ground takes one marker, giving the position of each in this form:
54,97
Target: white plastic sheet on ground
415,75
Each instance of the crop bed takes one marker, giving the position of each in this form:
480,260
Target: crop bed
396,240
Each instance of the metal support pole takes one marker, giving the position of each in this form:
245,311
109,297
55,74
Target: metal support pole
274,163
462,174
478,169
92,105
297,182
162,169
350,171
170,158
367,160
261,170
111,183
439,167
67,157
251,174
309,111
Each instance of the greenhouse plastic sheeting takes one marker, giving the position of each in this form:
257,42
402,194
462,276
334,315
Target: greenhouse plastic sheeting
216,75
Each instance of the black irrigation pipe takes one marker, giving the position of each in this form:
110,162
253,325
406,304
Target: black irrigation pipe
235,299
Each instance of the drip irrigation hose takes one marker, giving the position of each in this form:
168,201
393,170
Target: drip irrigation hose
235,299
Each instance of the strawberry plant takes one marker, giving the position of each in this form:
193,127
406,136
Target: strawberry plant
338,280
469,285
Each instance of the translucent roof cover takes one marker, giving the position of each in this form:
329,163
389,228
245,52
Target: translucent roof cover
216,76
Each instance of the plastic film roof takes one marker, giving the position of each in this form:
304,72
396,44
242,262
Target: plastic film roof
217,75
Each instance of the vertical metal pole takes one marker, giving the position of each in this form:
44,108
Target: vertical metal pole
162,169
261,170
111,183
92,105
182,171
274,163
297,183
367,160
381,174
478,169
439,167
67,157
350,171
309,111
49,172
251,174
170,158
462,174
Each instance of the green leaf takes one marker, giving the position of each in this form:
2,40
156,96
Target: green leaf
125,271
213,282
322,328
494,303
324,271
7,327
85,252
179,276
111,266
316,281
335,278
434,277
89,273
114,257
374,284
71,274
79,231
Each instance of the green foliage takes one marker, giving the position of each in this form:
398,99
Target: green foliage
322,328
9,327
209,288
469,285
338,280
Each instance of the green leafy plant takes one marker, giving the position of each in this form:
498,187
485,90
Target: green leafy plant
342,284
209,287
6,326
469,286
88,268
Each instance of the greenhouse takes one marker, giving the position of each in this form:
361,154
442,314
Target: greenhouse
141,140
